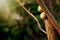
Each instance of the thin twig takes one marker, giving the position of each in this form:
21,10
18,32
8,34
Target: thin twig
39,26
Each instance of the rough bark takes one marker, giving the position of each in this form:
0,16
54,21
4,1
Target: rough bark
49,4
51,31
50,23
49,16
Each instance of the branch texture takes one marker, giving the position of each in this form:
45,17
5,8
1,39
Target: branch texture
39,26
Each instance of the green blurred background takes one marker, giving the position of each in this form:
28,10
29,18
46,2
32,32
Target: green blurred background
27,28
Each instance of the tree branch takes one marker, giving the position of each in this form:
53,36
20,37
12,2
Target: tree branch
39,26
49,15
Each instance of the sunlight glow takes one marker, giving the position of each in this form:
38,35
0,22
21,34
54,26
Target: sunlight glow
6,7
